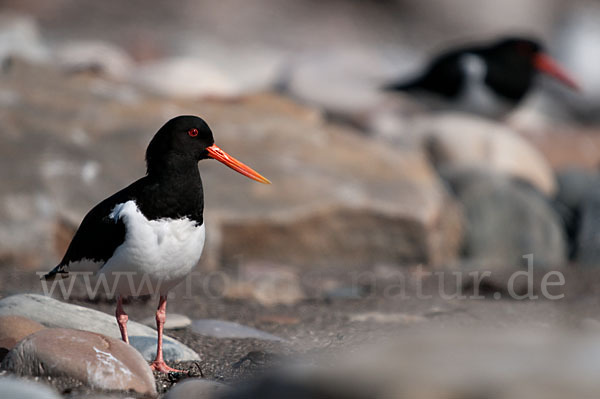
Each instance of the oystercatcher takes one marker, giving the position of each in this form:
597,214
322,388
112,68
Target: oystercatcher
489,79
146,238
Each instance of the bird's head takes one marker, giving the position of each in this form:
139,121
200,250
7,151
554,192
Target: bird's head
188,138
530,52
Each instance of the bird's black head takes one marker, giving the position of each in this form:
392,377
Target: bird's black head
184,138
182,142
520,58
524,47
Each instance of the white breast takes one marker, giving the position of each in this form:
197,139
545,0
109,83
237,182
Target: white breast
156,254
476,96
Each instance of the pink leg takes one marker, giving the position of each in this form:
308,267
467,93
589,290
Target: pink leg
122,319
161,315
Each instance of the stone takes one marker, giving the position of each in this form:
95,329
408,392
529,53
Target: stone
96,360
392,208
98,56
197,389
507,220
186,77
53,313
467,142
588,234
17,388
228,329
20,36
15,328
175,321
266,283
574,186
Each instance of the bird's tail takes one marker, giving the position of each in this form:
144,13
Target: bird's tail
59,271
400,86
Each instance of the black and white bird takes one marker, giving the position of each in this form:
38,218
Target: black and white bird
148,236
488,79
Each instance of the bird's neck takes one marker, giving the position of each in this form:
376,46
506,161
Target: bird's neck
177,189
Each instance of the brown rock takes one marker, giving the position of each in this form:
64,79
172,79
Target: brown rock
96,360
15,328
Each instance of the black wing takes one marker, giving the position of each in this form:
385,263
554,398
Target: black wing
98,235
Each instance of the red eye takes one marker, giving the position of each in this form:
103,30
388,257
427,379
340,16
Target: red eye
193,132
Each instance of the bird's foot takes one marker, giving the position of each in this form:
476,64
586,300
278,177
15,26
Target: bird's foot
163,368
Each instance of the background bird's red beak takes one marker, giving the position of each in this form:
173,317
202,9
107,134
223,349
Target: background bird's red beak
216,153
547,65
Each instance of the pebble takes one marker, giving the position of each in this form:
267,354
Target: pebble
15,328
53,313
96,360
175,321
17,388
197,389
229,329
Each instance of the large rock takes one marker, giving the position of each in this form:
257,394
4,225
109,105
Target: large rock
507,220
588,234
53,313
96,360
464,141
336,197
15,328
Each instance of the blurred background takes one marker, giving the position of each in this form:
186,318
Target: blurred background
364,180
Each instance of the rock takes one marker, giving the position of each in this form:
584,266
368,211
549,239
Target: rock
96,360
197,389
588,235
573,190
15,328
267,284
536,364
19,36
95,56
175,321
391,209
16,388
229,329
171,349
507,220
53,313
460,141
568,147
187,77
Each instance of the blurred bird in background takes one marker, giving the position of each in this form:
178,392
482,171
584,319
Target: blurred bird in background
488,79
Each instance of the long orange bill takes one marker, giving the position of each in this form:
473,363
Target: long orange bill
544,63
216,153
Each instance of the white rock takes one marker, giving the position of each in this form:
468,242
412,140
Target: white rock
83,54
186,77
461,141
19,36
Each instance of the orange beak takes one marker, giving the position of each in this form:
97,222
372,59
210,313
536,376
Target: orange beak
547,65
216,153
